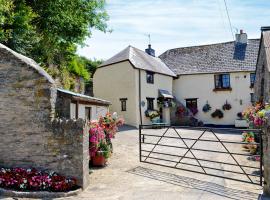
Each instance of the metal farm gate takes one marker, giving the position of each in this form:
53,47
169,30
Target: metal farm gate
217,152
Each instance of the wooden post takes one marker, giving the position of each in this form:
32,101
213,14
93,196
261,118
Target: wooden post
77,109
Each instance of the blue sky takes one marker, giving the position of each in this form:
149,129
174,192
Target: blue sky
174,23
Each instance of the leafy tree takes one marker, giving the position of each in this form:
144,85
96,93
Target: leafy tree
50,31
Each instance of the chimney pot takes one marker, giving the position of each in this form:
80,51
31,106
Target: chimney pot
241,38
150,51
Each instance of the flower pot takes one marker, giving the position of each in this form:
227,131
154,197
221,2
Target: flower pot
99,161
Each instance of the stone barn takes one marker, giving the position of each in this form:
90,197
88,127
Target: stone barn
31,136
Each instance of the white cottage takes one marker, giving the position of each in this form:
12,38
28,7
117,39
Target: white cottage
135,81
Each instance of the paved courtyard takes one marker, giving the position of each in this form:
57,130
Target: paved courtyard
125,178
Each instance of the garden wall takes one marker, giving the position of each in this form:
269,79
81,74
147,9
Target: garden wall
266,158
29,135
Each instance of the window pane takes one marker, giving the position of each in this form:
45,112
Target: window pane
150,104
217,81
225,80
149,77
123,105
252,79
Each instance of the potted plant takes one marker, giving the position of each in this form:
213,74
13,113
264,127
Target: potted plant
100,134
217,113
206,108
102,154
240,122
227,106
152,114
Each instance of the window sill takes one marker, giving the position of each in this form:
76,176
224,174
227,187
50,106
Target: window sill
222,89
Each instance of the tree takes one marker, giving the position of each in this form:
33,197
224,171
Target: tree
50,31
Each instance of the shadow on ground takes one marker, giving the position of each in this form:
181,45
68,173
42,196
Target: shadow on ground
194,184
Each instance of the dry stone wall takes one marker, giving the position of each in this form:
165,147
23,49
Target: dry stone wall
29,134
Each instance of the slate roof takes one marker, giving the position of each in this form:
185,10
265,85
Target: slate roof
84,97
221,57
140,60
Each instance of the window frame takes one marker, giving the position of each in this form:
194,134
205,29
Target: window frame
151,80
123,104
150,103
219,81
192,99
252,80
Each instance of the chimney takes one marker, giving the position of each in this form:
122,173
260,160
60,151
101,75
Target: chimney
241,37
150,51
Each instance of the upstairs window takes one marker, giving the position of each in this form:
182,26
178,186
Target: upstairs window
252,79
222,81
123,104
150,103
150,77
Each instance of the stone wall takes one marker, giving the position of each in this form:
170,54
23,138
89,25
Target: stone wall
27,109
266,159
70,147
262,91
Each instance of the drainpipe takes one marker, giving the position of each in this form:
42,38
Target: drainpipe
140,97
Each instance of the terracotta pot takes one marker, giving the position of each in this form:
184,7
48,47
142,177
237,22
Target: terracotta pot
99,161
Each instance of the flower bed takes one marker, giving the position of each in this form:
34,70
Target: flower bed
100,134
31,179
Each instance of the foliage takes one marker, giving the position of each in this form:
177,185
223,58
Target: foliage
206,107
249,139
50,31
256,115
152,114
31,179
240,115
194,110
217,113
227,106
104,149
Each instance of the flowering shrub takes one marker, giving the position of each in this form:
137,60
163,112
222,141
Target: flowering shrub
255,115
34,180
194,110
181,111
101,132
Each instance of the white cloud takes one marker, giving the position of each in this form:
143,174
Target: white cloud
174,23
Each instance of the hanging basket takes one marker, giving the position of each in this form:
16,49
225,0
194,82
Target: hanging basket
227,106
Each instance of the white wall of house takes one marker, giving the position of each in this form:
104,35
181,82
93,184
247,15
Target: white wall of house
151,90
96,111
201,86
115,82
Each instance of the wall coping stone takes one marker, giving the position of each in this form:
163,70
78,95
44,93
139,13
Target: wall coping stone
30,62
38,194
